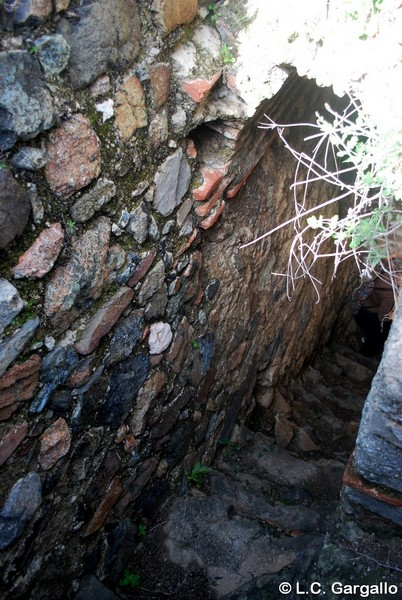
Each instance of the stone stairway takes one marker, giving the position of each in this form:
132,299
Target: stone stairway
268,511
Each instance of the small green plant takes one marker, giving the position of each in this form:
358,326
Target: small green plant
71,226
3,165
32,49
196,475
142,530
213,12
227,54
130,579
195,345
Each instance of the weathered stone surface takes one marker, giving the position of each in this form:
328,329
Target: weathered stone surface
172,181
130,108
41,256
142,268
54,444
24,96
151,390
61,401
112,494
12,440
30,159
36,11
92,589
180,347
60,5
82,278
10,303
160,83
101,39
155,308
38,211
159,129
17,385
74,159
154,281
56,367
126,335
22,503
203,353
198,89
378,444
126,380
103,321
14,208
160,337
86,206
138,226
53,53
172,13
12,346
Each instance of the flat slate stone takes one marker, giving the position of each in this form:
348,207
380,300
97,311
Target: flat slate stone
12,346
21,504
171,181
10,303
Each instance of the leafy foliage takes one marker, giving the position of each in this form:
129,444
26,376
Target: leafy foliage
196,475
130,579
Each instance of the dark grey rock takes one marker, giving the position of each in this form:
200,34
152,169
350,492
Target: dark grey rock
126,335
126,380
10,303
178,444
8,137
124,219
204,350
139,221
53,53
12,346
154,281
92,589
378,455
61,401
55,369
172,181
156,307
101,39
119,548
38,211
23,93
131,264
385,511
86,206
21,504
30,159
14,208
212,289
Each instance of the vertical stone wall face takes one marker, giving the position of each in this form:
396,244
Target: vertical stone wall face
134,329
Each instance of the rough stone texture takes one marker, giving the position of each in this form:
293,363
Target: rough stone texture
11,347
142,268
151,390
82,278
378,454
12,440
103,321
54,444
154,281
126,380
159,129
172,181
171,13
24,96
160,83
159,337
30,159
92,589
17,385
22,502
126,335
56,367
130,108
53,53
14,208
41,256
35,11
100,39
138,226
10,303
73,156
91,202
112,494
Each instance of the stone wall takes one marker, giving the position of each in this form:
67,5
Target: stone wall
134,328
